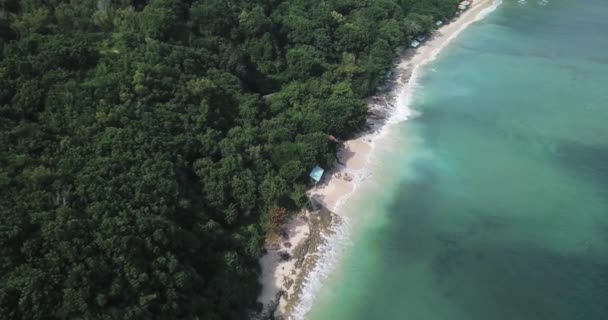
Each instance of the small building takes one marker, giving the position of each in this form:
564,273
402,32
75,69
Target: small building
316,174
464,5
415,44
439,23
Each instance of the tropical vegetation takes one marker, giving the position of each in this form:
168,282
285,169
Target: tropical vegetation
144,143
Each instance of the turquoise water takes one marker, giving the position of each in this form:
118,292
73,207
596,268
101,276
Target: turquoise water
493,202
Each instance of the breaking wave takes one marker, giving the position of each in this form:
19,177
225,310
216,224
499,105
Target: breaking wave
339,242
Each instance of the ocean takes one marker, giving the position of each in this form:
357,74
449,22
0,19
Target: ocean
491,202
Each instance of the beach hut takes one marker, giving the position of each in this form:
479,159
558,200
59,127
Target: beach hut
464,5
439,23
316,174
415,44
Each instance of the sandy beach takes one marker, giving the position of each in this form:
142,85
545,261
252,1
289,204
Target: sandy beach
277,271
341,181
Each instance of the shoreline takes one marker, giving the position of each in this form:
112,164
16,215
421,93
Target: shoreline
342,180
279,295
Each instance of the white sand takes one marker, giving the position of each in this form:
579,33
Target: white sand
275,273
448,32
356,154
340,182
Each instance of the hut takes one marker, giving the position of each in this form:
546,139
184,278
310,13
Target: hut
464,5
415,44
316,174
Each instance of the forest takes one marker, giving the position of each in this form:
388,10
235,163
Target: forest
143,143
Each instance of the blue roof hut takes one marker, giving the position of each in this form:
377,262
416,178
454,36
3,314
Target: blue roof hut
316,174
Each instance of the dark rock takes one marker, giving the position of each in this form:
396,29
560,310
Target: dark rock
259,307
287,244
273,246
284,256
288,283
278,296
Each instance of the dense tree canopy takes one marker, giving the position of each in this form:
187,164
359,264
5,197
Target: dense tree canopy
144,143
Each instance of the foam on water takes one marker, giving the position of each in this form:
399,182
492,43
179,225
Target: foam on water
404,98
339,242
329,253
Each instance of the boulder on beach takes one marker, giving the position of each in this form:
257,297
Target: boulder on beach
284,256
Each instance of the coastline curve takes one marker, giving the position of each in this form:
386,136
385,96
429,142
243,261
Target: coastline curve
396,108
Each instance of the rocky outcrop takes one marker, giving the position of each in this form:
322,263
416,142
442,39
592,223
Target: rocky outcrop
292,260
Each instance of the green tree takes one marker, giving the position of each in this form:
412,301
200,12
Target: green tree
148,147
